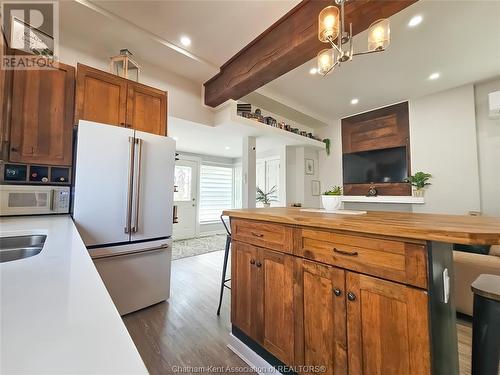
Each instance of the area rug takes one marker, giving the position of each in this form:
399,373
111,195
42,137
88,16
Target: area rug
198,246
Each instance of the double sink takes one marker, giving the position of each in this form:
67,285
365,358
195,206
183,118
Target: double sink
20,247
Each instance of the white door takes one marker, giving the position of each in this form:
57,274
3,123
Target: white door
152,207
186,199
101,182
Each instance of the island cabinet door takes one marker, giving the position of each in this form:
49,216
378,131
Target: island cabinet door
321,330
276,275
246,297
387,327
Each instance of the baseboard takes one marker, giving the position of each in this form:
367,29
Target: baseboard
252,359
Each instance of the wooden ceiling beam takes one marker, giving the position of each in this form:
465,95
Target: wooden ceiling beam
287,44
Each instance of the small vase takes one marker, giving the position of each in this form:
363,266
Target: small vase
418,193
331,202
266,205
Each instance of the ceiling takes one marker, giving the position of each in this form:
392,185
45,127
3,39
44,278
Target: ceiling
458,39
151,30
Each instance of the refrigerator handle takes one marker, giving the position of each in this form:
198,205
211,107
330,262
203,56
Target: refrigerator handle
130,186
139,143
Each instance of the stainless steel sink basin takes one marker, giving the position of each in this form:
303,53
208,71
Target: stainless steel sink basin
20,247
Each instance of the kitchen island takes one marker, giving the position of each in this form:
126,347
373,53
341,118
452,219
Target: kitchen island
357,294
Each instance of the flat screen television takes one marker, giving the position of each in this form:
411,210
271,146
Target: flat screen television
379,166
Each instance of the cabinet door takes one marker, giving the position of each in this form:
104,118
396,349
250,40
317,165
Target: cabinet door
147,109
42,114
5,97
245,294
322,328
387,327
277,309
100,96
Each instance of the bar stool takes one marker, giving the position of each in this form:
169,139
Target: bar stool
224,266
486,325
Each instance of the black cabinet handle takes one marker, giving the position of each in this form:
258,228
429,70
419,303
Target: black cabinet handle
252,261
337,292
348,253
351,296
13,149
259,264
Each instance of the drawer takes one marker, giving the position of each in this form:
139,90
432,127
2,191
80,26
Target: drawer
271,236
392,260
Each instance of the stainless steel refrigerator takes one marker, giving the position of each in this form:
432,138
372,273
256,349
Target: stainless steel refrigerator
123,204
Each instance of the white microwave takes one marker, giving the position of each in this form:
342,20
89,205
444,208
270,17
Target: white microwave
33,200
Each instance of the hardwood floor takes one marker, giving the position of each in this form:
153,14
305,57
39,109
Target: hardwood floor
185,334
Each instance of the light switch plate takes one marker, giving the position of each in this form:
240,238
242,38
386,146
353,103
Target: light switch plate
446,286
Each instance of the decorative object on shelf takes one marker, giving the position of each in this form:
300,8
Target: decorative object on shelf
419,182
309,166
266,198
309,135
243,107
271,121
332,199
327,143
372,191
331,29
315,188
122,65
297,204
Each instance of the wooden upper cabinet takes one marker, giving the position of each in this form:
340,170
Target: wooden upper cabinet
106,98
277,334
42,116
387,327
100,96
322,333
5,96
147,109
382,128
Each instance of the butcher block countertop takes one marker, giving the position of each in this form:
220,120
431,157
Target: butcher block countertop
467,230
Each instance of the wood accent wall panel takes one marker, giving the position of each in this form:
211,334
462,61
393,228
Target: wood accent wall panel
382,128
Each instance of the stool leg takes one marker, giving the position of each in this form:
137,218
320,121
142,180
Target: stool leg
224,269
485,336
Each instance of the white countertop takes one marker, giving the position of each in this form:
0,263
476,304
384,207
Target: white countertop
56,314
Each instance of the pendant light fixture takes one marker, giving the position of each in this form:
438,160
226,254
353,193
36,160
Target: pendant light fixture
331,30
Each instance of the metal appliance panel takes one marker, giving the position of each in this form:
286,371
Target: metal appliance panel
152,208
102,183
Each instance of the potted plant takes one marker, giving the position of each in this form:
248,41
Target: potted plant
419,182
332,199
266,198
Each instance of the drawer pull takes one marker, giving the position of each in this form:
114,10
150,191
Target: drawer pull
337,292
252,261
259,264
351,296
257,234
348,253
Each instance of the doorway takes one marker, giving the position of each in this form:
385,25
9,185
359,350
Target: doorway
186,198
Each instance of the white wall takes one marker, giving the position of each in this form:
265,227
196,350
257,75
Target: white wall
184,96
488,138
309,199
330,166
443,143
298,184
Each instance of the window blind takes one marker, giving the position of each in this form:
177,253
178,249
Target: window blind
216,191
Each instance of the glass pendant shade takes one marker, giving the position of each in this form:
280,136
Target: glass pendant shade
379,35
328,23
325,61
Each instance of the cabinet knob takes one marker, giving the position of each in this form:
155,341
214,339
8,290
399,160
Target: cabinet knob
351,296
252,261
259,264
337,292
255,234
13,149
122,124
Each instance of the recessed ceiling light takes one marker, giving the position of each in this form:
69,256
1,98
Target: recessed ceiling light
415,21
313,70
227,147
354,101
434,76
175,138
185,40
